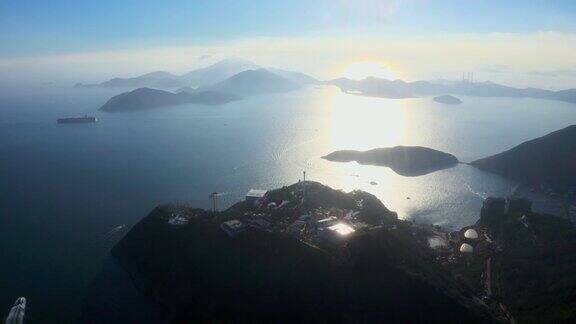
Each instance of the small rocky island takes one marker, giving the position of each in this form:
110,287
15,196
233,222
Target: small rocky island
404,160
448,100
147,98
307,252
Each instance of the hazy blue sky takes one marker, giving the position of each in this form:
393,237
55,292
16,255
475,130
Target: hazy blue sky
45,30
56,26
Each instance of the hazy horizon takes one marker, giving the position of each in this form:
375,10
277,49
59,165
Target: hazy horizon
517,44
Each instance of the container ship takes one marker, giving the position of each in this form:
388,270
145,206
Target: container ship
77,120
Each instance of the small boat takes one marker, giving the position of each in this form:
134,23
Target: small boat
77,120
373,183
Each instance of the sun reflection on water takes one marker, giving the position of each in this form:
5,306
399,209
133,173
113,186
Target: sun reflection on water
362,123
340,121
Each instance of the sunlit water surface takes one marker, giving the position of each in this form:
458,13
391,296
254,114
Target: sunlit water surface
65,190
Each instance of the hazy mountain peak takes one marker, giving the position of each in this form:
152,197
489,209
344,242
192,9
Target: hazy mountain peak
235,61
257,81
158,75
217,72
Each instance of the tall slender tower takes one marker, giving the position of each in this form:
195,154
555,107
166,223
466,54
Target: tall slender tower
214,197
304,186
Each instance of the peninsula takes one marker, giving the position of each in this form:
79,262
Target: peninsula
304,252
404,160
549,159
307,252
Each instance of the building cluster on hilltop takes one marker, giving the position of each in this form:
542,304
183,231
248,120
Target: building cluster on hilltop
315,226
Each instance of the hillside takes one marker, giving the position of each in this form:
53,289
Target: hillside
159,79
253,82
216,72
548,159
266,274
145,98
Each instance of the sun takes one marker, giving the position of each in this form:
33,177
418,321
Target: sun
361,70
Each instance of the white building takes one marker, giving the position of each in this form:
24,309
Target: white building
254,195
337,233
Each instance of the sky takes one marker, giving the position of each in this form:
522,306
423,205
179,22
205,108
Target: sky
509,41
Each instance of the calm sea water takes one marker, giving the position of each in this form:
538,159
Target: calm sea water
65,189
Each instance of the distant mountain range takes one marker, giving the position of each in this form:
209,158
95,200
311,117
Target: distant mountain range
253,82
227,75
203,77
245,83
397,89
158,79
550,159
234,78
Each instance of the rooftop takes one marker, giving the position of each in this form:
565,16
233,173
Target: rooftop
258,193
342,229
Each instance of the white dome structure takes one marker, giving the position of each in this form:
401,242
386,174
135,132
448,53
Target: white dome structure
466,248
471,234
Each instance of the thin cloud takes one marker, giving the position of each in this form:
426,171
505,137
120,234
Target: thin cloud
498,68
567,73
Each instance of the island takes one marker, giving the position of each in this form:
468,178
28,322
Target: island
448,100
550,159
374,87
146,98
404,160
304,252
399,89
245,83
307,252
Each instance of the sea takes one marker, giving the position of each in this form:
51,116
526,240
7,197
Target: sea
69,192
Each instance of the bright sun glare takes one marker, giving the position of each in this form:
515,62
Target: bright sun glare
361,70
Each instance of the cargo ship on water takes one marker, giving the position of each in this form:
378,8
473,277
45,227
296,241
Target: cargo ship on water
77,120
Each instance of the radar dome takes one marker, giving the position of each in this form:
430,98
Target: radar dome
466,248
471,234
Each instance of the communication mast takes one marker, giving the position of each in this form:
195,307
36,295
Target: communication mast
304,186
